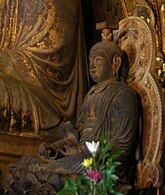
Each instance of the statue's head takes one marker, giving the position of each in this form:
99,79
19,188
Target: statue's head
106,62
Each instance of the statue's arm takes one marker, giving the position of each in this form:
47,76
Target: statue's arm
65,139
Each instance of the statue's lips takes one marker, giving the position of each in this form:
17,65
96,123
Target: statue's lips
93,72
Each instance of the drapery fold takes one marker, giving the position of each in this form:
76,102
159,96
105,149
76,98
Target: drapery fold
42,63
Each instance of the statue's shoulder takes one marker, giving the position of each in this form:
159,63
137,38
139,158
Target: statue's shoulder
126,94
123,87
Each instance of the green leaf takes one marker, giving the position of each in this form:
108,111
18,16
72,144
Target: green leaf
67,191
115,155
106,163
117,193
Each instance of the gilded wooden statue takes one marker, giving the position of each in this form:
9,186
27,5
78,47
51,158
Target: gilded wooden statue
41,60
110,107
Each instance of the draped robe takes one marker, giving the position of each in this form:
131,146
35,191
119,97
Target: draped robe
111,109
42,64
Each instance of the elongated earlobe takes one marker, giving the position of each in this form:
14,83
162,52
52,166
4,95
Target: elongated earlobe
116,66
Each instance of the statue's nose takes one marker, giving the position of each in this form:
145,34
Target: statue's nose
91,63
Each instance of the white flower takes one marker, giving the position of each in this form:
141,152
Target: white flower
92,146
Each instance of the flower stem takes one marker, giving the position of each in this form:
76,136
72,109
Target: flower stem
94,189
94,193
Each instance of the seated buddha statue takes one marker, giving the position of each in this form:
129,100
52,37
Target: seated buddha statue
41,80
110,108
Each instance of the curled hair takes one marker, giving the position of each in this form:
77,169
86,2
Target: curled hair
108,48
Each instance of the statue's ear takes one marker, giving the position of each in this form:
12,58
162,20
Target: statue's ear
116,64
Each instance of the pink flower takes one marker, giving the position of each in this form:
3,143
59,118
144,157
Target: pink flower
94,175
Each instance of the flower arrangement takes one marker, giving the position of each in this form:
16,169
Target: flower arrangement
99,176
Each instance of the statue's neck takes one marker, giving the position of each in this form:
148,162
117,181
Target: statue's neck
107,82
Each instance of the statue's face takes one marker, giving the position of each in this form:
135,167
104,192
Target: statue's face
99,67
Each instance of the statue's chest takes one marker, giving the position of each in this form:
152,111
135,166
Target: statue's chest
92,105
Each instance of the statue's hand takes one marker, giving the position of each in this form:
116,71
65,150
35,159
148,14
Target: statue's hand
69,151
56,146
69,130
65,142
43,149
65,147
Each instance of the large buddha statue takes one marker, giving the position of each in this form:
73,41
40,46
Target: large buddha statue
110,107
41,61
